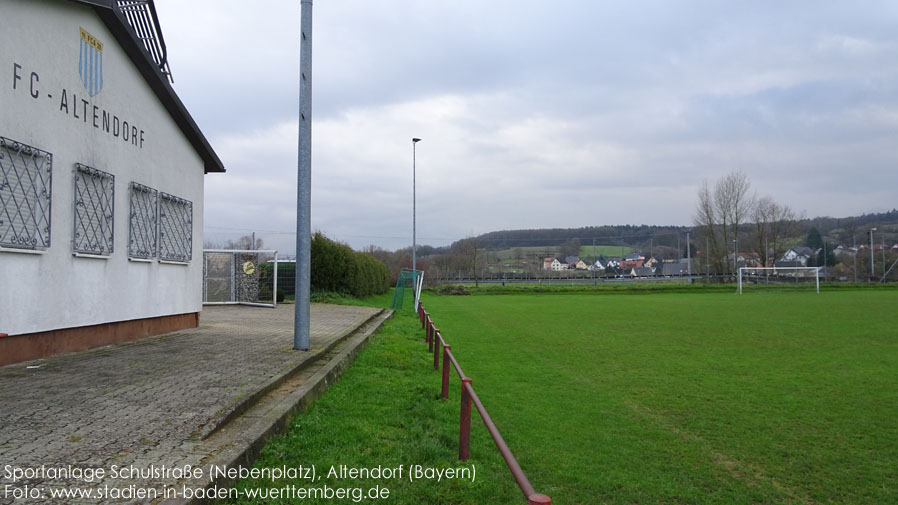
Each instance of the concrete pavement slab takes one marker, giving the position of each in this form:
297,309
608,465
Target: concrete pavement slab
145,408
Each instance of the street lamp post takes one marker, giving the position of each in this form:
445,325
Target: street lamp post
414,242
871,252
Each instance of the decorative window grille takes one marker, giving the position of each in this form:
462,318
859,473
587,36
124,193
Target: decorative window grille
175,228
94,204
25,191
142,230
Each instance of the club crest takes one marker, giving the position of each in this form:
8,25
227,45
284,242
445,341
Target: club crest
90,63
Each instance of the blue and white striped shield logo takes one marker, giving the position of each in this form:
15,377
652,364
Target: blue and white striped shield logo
90,63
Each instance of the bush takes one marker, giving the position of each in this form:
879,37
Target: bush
451,289
337,268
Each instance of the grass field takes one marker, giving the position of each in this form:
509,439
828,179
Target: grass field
769,397
586,252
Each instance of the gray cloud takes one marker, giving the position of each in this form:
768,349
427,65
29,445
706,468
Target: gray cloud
537,114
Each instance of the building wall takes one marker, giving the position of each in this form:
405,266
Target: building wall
40,44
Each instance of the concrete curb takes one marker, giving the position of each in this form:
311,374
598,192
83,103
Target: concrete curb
240,441
237,408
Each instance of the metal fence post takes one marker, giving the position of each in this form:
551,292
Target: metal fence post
539,499
464,425
435,348
445,391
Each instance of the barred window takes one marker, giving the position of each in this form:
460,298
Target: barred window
94,197
142,229
175,228
25,191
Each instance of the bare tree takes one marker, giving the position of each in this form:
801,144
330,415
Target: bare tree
707,221
733,203
720,215
471,252
773,223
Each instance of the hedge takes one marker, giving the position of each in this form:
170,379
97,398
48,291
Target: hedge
336,268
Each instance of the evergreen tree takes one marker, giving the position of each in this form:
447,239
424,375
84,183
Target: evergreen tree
815,241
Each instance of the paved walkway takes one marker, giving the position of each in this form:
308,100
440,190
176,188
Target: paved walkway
148,403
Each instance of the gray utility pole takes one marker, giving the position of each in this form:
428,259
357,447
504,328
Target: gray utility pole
734,256
304,184
854,244
871,251
708,257
414,230
688,255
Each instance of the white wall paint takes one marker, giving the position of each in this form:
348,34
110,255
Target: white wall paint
57,290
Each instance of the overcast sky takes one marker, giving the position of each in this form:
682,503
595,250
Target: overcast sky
536,114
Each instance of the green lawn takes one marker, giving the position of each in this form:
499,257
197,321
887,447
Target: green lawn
588,252
768,397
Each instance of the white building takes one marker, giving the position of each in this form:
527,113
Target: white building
554,265
101,180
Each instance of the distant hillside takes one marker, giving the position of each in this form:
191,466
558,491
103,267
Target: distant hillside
836,230
623,235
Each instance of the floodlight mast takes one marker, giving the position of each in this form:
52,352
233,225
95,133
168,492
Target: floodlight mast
415,140
304,185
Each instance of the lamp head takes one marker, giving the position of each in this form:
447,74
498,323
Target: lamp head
415,140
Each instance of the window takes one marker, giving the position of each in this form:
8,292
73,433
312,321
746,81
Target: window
175,228
25,190
94,197
142,229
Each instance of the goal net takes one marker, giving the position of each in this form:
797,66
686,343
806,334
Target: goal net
779,275
242,277
409,281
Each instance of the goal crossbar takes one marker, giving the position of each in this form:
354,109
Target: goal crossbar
816,271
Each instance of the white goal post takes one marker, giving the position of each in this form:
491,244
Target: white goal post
778,272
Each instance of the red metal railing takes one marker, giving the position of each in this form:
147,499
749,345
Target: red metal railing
435,344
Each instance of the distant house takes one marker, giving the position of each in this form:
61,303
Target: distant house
628,264
597,266
748,259
652,262
581,265
841,251
611,270
801,255
571,260
554,265
610,262
635,256
642,272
